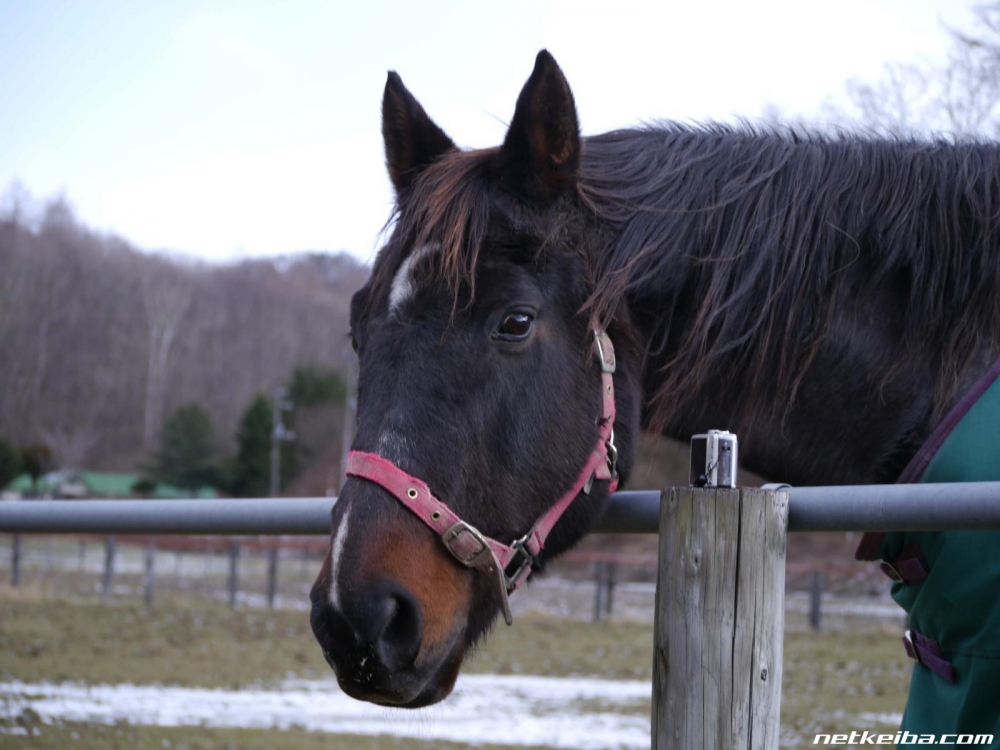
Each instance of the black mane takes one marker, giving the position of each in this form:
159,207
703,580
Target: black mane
764,233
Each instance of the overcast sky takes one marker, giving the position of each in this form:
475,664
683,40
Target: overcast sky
229,129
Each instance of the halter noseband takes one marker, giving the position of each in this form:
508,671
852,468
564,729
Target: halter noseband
510,565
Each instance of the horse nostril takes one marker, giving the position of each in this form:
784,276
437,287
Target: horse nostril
331,631
384,622
398,643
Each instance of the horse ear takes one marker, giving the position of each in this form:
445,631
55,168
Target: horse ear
412,139
541,152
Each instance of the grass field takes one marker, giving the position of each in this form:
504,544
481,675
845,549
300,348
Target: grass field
831,679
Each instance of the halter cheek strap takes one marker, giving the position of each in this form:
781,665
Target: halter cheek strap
510,565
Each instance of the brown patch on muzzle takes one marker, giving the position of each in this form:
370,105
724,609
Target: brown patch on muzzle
410,555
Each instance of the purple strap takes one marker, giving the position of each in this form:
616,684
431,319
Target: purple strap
925,651
908,567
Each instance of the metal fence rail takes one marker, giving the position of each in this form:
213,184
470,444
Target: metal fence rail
896,507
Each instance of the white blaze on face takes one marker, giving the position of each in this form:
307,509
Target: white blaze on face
335,554
402,283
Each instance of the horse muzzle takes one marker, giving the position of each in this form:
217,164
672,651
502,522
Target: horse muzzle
375,648
391,629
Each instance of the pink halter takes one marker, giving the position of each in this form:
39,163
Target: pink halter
466,543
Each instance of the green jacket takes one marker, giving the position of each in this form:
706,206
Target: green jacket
957,604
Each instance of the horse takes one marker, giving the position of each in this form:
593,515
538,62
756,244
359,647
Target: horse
828,296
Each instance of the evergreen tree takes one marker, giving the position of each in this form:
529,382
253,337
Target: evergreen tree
250,472
186,458
143,487
10,464
36,461
252,469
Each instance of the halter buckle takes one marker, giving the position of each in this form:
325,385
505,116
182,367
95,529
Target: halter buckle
524,564
455,540
606,366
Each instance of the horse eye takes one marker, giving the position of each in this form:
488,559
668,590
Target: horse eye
515,327
354,344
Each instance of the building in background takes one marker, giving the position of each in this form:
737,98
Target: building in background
79,484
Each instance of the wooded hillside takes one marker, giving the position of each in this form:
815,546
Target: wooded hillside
98,341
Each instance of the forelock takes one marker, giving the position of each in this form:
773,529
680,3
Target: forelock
447,208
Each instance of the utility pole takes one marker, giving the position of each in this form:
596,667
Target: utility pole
279,435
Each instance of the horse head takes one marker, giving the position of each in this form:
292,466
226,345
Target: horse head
483,396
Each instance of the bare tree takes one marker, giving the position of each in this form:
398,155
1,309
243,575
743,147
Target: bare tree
166,299
71,445
15,205
959,98
99,341
35,280
54,283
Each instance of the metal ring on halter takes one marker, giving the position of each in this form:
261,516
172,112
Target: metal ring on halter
527,561
612,455
608,367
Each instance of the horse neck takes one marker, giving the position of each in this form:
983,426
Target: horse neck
862,408
829,297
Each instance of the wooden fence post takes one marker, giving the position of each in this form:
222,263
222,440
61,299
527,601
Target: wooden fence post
150,573
609,598
600,579
234,561
272,574
109,569
15,561
720,599
816,600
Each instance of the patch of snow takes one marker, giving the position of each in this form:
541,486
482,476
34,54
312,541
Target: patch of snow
504,710
892,719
